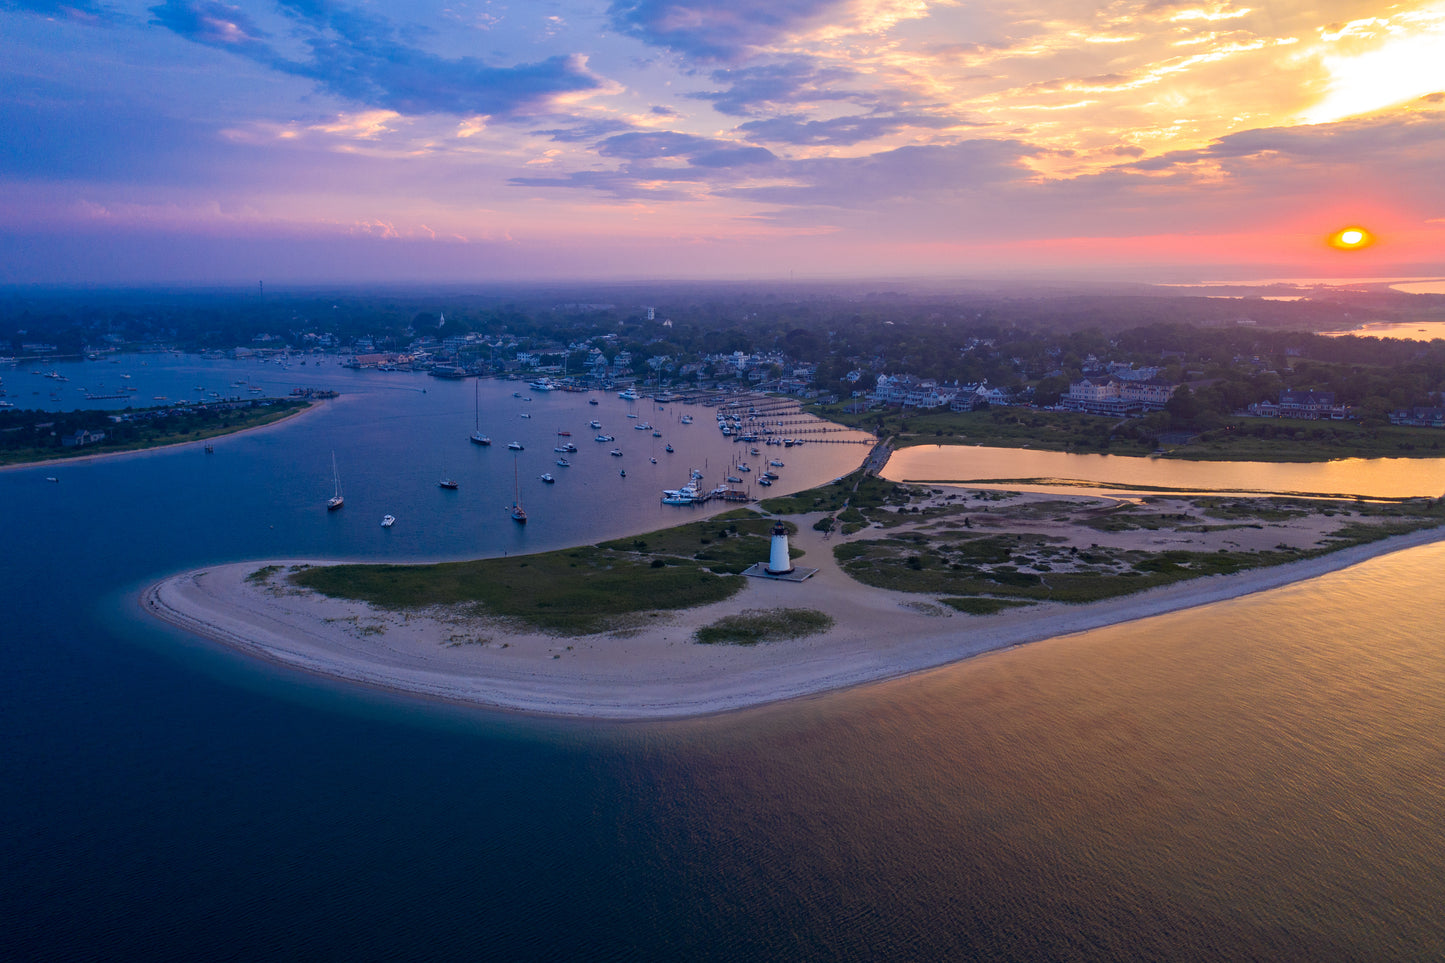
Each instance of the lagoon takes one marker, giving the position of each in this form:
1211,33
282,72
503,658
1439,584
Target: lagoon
1027,469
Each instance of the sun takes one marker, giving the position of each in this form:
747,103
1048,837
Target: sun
1351,238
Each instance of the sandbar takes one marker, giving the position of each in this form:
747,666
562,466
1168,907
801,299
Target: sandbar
654,669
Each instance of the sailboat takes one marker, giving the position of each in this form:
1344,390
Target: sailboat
447,481
335,501
477,437
519,515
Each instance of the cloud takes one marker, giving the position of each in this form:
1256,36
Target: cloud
700,151
754,89
1380,139
361,58
584,131
214,24
76,10
650,160
842,131
907,173
713,29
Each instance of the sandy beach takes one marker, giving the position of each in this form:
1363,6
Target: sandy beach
656,669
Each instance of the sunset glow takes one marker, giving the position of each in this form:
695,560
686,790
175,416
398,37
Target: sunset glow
195,140
1351,239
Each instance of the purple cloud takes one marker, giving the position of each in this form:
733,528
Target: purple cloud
67,9
751,90
905,173
711,29
360,58
844,131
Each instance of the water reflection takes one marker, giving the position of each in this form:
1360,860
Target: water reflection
1365,477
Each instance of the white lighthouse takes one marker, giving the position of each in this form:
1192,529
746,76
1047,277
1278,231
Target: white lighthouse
779,562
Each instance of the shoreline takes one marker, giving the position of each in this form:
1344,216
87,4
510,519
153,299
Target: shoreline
655,671
312,405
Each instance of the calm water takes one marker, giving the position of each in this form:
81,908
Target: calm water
1367,477
1256,780
1405,331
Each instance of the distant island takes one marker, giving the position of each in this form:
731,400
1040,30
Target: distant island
33,436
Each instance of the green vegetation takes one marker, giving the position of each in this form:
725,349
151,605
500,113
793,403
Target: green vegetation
1269,439
1242,439
764,625
263,574
726,544
972,571
871,492
31,436
982,606
575,591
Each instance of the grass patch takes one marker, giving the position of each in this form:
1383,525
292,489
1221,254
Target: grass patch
725,545
764,625
976,605
263,575
574,591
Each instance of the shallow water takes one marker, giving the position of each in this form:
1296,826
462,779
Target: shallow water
1366,477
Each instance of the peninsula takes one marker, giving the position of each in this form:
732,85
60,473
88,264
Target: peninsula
908,579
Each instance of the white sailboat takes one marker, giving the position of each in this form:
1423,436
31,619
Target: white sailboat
335,501
518,514
477,437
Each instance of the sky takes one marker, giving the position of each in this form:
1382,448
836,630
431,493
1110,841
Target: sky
308,141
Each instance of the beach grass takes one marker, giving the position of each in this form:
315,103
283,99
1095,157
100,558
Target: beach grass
764,625
982,605
972,571
574,591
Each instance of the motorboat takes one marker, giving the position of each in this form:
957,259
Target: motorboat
388,520
514,445
547,477
615,453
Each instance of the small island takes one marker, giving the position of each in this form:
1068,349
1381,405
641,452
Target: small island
33,436
665,625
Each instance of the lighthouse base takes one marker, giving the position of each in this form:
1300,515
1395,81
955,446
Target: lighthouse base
798,574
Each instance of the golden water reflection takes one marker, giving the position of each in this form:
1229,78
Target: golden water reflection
1365,477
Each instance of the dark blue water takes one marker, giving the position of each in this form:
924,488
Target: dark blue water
1260,780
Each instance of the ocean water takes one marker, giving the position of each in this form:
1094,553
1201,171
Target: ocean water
1256,780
